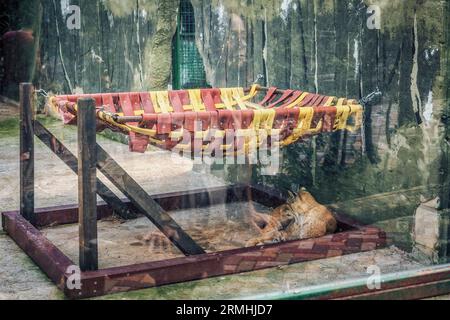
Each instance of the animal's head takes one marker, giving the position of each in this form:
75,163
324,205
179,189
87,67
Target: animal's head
280,219
285,214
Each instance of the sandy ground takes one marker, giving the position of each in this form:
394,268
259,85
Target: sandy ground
158,172
121,244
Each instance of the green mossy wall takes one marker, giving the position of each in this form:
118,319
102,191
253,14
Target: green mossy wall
121,46
325,46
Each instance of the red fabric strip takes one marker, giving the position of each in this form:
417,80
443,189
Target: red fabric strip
208,99
125,103
284,96
147,103
269,96
176,100
108,102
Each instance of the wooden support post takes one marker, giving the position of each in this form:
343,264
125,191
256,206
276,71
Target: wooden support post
27,152
87,181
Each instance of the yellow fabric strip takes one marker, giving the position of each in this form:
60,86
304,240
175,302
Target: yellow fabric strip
268,119
227,98
256,119
340,102
329,102
357,113
164,102
251,105
196,100
238,94
252,93
155,103
342,115
303,126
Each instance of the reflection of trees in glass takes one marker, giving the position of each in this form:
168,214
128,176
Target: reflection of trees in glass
20,23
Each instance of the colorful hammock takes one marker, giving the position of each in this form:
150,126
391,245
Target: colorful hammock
212,121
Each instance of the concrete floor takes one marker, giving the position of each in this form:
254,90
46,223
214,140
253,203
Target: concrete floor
158,172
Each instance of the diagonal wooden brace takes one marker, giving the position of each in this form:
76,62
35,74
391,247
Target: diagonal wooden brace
58,148
145,203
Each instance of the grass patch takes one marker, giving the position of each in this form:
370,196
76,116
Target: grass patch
9,127
48,121
114,136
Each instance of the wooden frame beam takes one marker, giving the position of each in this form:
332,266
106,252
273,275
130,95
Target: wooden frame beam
141,202
27,152
352,238
87,184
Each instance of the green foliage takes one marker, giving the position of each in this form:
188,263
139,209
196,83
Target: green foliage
9,127
115,136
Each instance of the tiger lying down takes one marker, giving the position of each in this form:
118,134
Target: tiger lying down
302,217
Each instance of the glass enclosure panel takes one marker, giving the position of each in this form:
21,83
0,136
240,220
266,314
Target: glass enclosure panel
315,132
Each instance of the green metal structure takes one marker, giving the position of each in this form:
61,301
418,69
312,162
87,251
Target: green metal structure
188,69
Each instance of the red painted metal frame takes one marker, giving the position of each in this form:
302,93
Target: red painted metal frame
352,238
